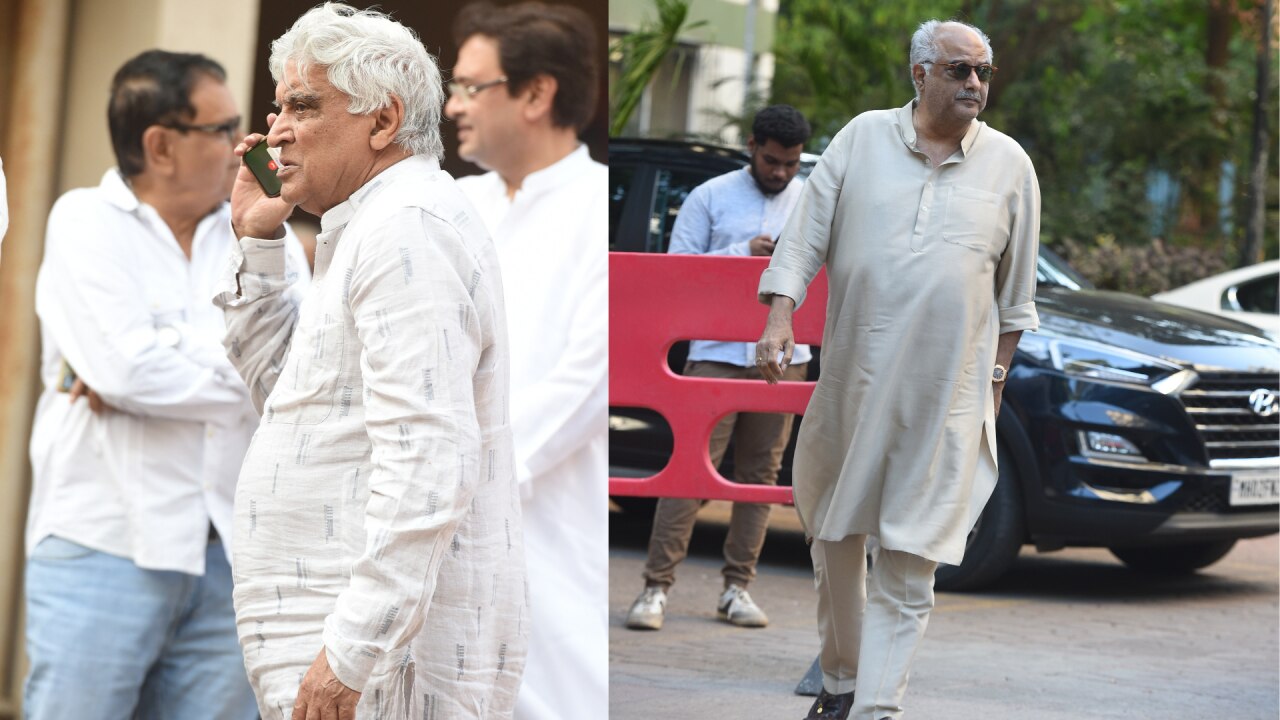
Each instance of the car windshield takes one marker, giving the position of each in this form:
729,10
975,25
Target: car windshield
1051,269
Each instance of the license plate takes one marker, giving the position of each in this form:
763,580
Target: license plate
1256,487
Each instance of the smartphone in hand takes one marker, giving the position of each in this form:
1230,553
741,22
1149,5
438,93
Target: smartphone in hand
66,377
263,167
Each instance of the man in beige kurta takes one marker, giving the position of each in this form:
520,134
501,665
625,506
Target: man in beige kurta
377,554
927,221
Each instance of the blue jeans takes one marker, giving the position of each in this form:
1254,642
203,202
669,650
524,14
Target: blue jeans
107,639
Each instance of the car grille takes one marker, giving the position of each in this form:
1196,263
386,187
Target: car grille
1219,406
1209,499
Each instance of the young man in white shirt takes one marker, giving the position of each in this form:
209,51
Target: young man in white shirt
128,585
739,213
524,86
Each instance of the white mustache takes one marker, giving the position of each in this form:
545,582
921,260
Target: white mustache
968,95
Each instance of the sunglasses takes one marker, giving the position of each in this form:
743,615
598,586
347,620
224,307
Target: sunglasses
960,71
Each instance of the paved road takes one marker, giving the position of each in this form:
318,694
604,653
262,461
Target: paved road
1066,636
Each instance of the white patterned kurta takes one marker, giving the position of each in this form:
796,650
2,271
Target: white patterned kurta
377,513
927,266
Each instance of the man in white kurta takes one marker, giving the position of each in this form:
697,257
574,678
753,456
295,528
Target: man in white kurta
378,565
545,204
927,222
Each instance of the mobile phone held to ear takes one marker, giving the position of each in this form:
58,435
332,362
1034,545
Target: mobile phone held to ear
263,167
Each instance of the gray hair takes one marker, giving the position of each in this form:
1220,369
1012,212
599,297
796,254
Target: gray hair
369,57
924,44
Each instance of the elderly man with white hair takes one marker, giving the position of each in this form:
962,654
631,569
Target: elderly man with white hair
927,221
377,558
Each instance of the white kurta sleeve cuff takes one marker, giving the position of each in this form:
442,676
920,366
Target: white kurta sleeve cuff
256,268
781,281
351,662
1019,317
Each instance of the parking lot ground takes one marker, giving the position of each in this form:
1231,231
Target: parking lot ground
1066,635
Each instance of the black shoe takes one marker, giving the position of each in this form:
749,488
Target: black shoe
831,707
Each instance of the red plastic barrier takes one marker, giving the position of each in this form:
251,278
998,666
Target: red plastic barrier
657,300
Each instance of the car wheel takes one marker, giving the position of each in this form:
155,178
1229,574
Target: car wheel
1174,559
995,540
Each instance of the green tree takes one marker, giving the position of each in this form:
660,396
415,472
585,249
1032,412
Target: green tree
1114,100
833,60
642,53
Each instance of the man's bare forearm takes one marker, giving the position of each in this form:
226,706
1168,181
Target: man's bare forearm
781,307
1005,346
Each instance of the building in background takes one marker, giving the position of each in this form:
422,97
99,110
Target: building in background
721,71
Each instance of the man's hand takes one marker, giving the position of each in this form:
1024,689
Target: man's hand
777,338
79,389
1005,345
322,695
253,214
761,245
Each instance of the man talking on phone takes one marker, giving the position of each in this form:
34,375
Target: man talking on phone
379,566
128,586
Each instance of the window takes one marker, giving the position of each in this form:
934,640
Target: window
620,179
671,188
1257,295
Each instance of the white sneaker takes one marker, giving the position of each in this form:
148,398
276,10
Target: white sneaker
736,607
647,611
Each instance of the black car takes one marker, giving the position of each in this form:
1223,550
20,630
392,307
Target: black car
1128,424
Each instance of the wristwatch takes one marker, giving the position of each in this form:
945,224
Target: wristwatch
999,374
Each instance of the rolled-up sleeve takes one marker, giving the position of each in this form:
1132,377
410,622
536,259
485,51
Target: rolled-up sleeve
1016,273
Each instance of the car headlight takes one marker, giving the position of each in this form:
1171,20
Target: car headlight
1106,364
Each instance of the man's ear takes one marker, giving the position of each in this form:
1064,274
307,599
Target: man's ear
751,145
540,94
386,123
917,76
158,151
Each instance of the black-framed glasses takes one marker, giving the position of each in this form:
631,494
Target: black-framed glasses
229,129
469,91
960,71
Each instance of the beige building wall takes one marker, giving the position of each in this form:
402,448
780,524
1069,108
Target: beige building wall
106,33
57,58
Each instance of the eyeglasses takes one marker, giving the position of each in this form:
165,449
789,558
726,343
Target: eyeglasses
457,88
960,71
229,129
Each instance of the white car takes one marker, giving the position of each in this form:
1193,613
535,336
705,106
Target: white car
1248,295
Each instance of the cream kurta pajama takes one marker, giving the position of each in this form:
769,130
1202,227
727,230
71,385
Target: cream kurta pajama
926,267
377,513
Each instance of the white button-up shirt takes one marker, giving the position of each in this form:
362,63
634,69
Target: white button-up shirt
551,240
720,217
122,305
